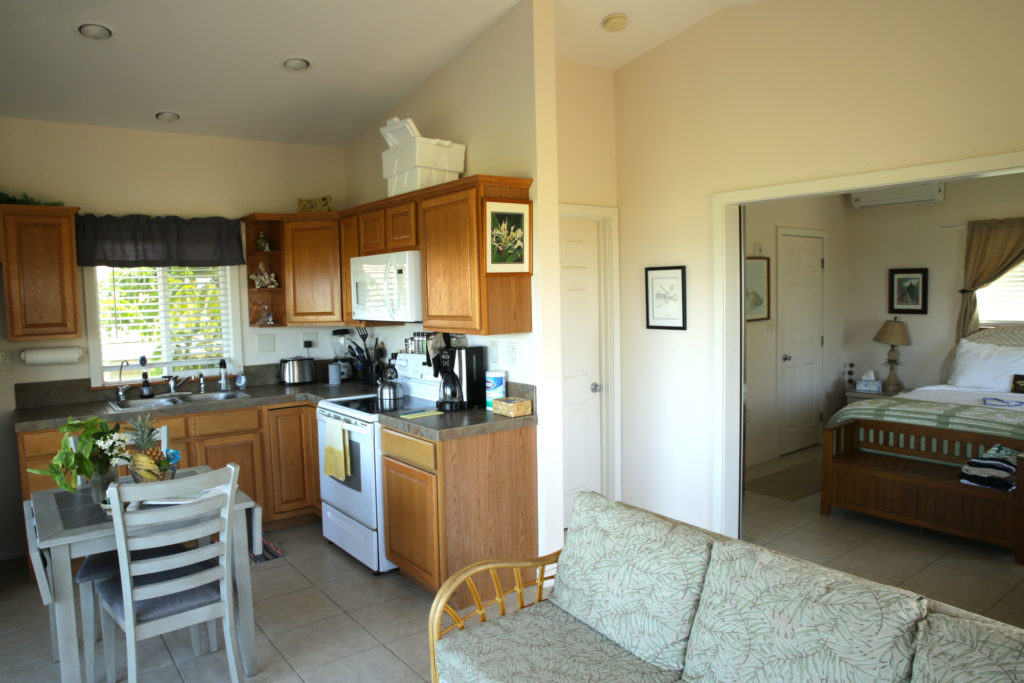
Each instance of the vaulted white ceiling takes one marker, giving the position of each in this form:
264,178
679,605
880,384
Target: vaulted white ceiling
218,62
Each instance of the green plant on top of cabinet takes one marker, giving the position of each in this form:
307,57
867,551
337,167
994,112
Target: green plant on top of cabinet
40,271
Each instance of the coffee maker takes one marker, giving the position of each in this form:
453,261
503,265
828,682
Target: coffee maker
463,371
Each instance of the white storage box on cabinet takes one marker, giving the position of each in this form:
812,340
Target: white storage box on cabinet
413,162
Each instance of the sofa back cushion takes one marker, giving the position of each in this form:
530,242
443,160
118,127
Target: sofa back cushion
764,615
956,649
632,576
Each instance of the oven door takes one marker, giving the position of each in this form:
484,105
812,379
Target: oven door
356,494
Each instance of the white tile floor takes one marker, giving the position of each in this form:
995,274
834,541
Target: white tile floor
320,616
972,575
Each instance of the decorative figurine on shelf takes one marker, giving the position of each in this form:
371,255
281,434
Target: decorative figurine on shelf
262,243
263,279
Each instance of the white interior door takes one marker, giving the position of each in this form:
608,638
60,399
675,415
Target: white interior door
801,338
581,359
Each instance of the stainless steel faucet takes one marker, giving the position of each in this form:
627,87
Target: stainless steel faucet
122,388
176,383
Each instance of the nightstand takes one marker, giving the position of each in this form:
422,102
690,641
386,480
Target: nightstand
852,395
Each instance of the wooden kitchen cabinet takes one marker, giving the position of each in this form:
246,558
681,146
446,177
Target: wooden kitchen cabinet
371,232
246,450
458,294
292,463
450,503
40,271
349,248
389,228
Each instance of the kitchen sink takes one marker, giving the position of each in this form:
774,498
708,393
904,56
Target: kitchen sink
213,396
130,404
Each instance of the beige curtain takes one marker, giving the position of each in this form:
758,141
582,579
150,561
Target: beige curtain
993,247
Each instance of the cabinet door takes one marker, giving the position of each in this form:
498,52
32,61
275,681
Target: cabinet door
291,460
451,262
312,271
411,521
371,232
40,272
37,450
401,227
349,248
243,449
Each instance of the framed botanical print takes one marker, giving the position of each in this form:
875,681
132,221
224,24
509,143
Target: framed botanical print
757,297
509,237
908,290
666,297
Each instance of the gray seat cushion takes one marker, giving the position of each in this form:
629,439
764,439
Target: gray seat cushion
101,566
766,616
539,643
955,649
109,591
633,576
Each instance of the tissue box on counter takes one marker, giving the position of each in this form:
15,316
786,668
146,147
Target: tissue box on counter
512,407
413,162
869,385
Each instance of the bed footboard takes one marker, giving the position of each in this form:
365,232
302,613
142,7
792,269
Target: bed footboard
909,473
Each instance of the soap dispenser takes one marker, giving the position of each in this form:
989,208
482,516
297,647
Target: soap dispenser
224,375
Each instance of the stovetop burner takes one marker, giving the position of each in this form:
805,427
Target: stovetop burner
371,406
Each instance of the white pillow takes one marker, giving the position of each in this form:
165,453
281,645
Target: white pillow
986,366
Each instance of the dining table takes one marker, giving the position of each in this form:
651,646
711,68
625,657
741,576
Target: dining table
70,525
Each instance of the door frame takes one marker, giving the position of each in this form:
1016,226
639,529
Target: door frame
727,308
781,231
610,357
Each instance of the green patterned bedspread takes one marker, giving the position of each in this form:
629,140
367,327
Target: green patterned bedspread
979,419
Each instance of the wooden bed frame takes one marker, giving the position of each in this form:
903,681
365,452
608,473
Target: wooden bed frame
861,471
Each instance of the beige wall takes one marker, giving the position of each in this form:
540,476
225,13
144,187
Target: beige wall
118,171
765,94
586,135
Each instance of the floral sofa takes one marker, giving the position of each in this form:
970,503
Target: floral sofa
638,597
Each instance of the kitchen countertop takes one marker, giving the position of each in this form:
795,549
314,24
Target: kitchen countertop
452,425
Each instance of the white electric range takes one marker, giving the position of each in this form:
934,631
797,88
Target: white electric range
353,506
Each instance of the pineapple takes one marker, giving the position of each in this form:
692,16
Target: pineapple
147,456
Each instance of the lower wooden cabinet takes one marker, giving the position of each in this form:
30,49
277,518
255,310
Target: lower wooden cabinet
292,476
410,520
245,450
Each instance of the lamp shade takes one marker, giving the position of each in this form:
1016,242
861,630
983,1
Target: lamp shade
894,333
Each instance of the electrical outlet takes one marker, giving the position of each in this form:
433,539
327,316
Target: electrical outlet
5,361
265,343
493,356
309,337
512,352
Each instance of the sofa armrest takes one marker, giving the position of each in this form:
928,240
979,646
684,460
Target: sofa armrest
544,572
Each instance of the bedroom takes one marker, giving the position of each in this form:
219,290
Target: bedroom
860,246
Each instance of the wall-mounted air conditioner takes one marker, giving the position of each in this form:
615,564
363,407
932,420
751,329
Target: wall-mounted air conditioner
913,193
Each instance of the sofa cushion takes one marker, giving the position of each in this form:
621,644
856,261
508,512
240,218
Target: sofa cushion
632,576
764,616
539,643
954,649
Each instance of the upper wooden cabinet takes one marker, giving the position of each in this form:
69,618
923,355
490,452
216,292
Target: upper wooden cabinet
40,271
349,248
390,228
305,255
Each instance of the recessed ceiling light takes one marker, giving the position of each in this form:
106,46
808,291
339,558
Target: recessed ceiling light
296,64
614,22
167,116
95,31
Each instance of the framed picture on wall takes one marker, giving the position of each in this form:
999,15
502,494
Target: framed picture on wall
757,295
509,234
666,297
908,290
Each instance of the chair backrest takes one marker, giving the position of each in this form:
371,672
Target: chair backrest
36,556
185,510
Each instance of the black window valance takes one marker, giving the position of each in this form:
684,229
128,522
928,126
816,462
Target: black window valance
138,240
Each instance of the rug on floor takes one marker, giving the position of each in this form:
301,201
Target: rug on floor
270,552
792,483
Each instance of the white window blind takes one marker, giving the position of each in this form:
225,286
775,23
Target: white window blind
179,317
1002,301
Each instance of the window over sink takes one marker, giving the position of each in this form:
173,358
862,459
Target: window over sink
182,318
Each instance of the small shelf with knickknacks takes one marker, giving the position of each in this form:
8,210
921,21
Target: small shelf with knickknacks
263,270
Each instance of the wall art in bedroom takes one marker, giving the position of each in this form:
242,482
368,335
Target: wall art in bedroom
757,286
908,290
666,297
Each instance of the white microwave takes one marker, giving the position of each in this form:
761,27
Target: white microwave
387,287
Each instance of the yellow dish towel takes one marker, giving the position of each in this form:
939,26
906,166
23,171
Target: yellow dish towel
337,460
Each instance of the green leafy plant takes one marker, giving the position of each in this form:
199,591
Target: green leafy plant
25,199
94,452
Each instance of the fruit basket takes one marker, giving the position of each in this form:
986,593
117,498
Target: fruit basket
148,460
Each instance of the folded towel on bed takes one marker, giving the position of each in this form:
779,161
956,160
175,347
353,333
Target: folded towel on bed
992,464
986,472
1002,453
987,482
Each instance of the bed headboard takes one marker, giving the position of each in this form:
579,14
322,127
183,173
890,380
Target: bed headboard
1007,335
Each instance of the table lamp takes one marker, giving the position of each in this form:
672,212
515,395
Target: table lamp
894,333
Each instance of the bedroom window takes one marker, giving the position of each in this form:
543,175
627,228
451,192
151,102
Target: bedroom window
1002,302
179,317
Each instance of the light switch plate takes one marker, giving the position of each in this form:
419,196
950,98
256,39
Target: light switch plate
493,354
5,361
265,343
513,350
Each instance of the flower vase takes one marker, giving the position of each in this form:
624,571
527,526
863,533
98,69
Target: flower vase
98,485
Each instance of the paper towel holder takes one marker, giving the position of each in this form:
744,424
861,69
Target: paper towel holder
64,355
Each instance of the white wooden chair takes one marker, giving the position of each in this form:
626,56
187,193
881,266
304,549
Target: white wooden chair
156,595
41,570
